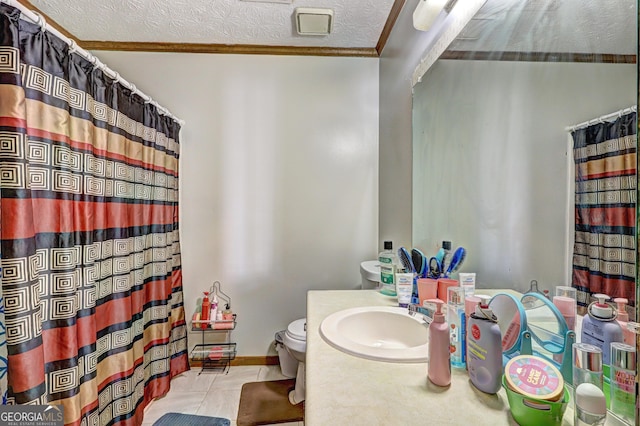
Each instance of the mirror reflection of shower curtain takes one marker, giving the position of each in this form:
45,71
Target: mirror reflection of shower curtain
605,210
91,269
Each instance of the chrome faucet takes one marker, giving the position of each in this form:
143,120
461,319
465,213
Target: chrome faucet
425,313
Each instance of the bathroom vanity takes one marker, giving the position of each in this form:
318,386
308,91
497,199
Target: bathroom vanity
345,389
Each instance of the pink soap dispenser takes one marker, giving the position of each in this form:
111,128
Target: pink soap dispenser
439,368
623,318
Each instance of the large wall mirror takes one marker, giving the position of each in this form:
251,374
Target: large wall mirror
493,167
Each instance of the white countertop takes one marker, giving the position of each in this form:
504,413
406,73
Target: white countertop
342,389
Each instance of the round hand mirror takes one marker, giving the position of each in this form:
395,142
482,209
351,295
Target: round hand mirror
511,320
547,325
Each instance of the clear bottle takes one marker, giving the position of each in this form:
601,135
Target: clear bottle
457,322
587,365
388,265
439,367
565,301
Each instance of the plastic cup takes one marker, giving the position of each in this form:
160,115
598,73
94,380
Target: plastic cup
443,287
427,289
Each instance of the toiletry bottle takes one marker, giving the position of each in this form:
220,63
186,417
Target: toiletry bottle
456,320
484,348
565,301
388,264
404,287
599,327
439,367
587,365
467,282
227,314
590,406
623,381
206,310
214,308
628,336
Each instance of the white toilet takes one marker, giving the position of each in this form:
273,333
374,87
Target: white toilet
295,341
370,273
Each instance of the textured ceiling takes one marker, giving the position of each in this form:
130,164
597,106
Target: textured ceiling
357,23
576,26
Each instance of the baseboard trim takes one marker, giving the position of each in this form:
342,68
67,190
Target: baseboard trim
246,360
256,360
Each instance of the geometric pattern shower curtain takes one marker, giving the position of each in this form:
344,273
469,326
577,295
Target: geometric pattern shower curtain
605,210
91,268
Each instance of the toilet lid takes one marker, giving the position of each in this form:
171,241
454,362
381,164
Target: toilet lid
298,329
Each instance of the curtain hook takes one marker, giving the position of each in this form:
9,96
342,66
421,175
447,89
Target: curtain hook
134,89
73,46
41,22
116,77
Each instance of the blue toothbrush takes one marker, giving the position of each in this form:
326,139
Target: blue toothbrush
456,261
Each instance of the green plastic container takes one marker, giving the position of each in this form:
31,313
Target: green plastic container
535,412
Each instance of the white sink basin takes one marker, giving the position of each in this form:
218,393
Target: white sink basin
378,332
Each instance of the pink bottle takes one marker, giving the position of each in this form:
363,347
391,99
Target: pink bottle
623,318
439,368
565,301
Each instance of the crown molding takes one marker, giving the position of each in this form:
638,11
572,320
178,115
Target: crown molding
604,58
240,49
388,26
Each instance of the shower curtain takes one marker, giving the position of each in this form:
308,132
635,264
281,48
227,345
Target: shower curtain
91,268
605,210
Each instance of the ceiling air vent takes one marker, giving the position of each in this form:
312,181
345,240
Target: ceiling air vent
312,21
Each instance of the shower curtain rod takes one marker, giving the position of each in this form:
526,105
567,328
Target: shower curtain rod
38,19
607,117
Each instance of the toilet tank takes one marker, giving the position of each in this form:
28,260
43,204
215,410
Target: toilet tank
370,273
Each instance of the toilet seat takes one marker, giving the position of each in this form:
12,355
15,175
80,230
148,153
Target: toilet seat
298,329
295,338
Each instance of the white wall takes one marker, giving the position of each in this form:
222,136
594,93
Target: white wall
490,160
279,176
400,57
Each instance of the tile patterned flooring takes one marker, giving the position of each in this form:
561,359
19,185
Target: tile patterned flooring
211,393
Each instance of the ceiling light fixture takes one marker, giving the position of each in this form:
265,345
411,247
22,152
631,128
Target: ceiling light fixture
313,21
426,13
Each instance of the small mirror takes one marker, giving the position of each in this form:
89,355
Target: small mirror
532,325
511,320
546,323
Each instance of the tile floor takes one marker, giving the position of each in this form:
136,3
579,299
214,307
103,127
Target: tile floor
211,393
